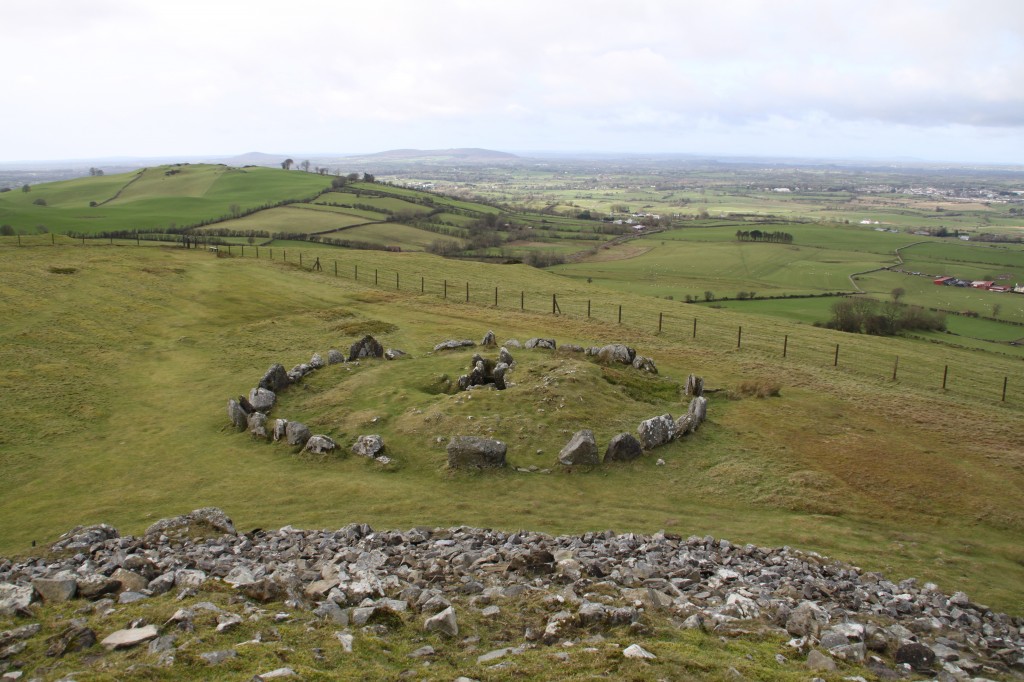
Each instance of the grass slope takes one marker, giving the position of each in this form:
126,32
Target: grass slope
116,413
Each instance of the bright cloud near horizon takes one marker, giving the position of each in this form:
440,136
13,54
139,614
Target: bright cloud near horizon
938,80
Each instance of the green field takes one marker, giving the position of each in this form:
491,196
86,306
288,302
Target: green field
392,234
291,219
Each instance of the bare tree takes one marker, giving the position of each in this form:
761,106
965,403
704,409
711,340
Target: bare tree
305,165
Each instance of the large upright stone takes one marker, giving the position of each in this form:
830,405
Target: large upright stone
262,399
297,433
367,347
698,410
505,356
694,385
276,379
473,451
580,450
237,415
616,353
489,339
623,448
444,622
656,431
317,361
258,424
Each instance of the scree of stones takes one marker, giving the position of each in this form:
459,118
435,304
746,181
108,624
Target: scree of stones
582,450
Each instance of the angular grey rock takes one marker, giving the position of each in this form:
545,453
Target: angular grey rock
645,364
580,450
130,597
505,356
317,361
280,429
571,348
275,674
616,353
637,651
204,518
71,639
543,344
218,657
656,431
334,357
499,376
473,451
369,446
96,585
916,655
819,661
394,354
623,448
443,622
262,399
698,410
489,339
452,344
320,444
15,599
366,347
239,575
258,425
684,425
83,537
237,415
189,577
276,379
125,639
55,589
694,385
512,343
130,581
803,621
297,433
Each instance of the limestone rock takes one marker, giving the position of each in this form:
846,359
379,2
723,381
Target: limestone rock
684,425
125,639
580,450
320,444
571,348
369,446
394,354
452,344
505,356
71,639
637,651
645,364
335,356
15,599
297,433
55,589
656,431
489,339
916,655
205,518
443,622
819,661
276,379
499,376
616,353
473,451
698,410
512,343
258,424
280,429
694,385
262,399
237,415
623,448
317,361
130,581
544,344
367,347
83,537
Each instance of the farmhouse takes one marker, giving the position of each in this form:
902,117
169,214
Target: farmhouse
982,284
942,281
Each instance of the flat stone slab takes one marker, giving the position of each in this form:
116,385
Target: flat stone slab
125,639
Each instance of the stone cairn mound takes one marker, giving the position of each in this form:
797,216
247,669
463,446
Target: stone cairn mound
487,372
828,613
253,413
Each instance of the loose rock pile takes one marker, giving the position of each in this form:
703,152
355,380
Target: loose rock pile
829,611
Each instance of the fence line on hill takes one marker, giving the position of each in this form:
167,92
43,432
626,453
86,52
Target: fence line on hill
983,384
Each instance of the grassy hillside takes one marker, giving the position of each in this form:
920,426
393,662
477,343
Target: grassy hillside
116,412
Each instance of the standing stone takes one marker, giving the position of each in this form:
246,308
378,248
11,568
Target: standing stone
656,431
698,410
320,445
684,425
444,622
334,357
237,415
623,448
280,429
258,424
694,385
297,433
276,379
369,446
488,339
317,361
473,451
262,399
499,375
367,347
505,356
581,449
616,353
546,344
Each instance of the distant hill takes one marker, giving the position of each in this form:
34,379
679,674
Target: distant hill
465,154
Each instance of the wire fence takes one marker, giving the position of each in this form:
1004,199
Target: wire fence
979,376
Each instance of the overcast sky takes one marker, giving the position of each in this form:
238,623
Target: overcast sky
930,79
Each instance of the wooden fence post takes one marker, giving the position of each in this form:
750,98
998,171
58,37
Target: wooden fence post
495,297
522,300
335,263
835,363
396,281
660,315
945,375
300,259
422,285
243,249
895,367
446,289
1005,380
739,336
375,276
467,292
695,327
785,344
620,314
588,308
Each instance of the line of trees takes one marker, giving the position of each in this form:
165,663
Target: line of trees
776,237
863,315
